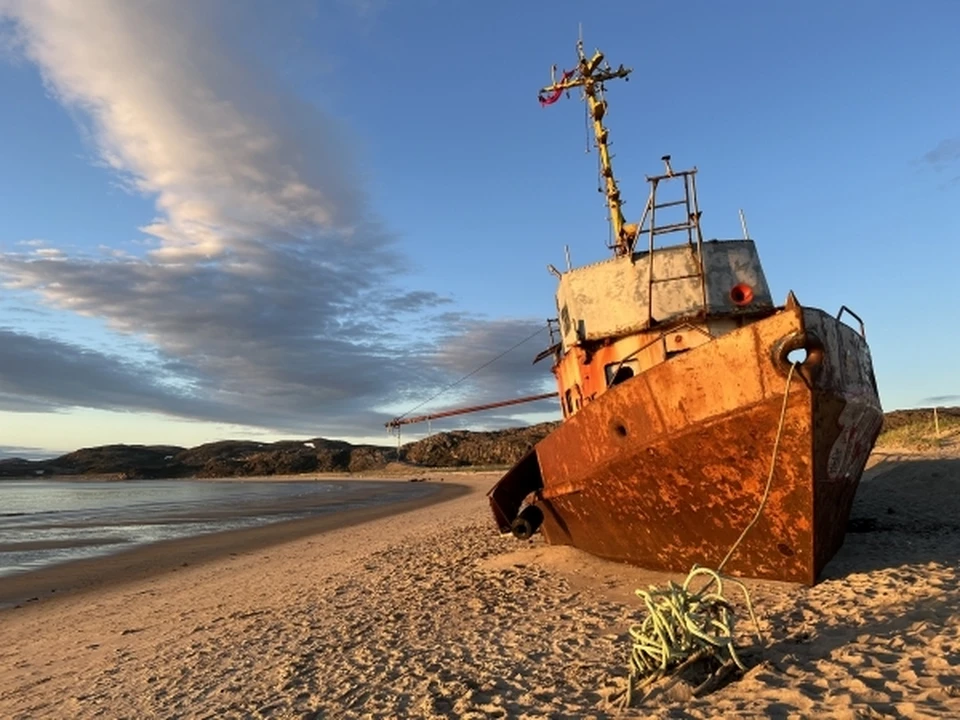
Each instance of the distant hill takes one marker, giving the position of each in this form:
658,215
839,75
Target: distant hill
240,458
914,429
459,448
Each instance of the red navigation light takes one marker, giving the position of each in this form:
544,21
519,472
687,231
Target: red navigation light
741,294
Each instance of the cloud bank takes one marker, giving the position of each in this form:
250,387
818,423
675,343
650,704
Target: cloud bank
269,293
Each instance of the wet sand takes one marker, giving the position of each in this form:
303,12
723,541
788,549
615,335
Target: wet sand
429,613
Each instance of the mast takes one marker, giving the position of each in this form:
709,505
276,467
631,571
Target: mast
590,76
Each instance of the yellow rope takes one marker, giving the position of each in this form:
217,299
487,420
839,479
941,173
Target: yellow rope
683,626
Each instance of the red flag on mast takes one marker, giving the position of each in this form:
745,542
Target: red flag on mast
555,95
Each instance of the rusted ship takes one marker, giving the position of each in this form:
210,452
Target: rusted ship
702,423
690,400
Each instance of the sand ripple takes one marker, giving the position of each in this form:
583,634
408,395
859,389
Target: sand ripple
429,614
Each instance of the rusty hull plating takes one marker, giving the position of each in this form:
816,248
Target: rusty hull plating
667,468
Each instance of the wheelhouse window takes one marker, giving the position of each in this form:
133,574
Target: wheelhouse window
617,373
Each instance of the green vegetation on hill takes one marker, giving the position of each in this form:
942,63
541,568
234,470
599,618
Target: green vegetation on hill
915,429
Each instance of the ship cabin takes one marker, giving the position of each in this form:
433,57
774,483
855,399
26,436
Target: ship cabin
619,317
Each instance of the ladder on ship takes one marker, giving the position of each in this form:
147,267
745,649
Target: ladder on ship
590,75
690,224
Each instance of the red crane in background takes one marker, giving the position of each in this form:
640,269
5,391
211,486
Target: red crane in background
397,422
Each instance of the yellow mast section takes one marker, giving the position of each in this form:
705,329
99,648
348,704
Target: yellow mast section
590,76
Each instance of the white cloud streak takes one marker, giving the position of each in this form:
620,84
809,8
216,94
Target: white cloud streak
269,293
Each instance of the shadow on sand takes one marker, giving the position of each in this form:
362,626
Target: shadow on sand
885,611
905,513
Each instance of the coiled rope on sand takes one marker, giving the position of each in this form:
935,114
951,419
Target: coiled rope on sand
683,626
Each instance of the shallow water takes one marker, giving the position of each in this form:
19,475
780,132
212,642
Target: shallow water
44,522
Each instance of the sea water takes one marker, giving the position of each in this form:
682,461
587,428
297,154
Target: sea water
46,522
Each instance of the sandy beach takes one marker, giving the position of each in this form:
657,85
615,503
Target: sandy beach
422,610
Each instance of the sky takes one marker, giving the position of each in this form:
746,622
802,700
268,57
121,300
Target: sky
259,220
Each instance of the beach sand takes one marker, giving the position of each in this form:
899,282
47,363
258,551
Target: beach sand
428,613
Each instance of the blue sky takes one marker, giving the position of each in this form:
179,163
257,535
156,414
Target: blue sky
355,202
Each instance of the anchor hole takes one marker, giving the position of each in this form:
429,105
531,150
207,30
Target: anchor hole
798,356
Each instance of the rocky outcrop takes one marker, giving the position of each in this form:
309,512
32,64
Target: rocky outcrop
135,461
464,448
243,458
18,467
231,458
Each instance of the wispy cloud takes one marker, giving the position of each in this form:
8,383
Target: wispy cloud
23,310
269,292
940,400
44,374
946,153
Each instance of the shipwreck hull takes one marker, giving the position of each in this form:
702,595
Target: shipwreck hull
668,468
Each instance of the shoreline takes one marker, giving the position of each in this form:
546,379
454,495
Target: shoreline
73,577
392,472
